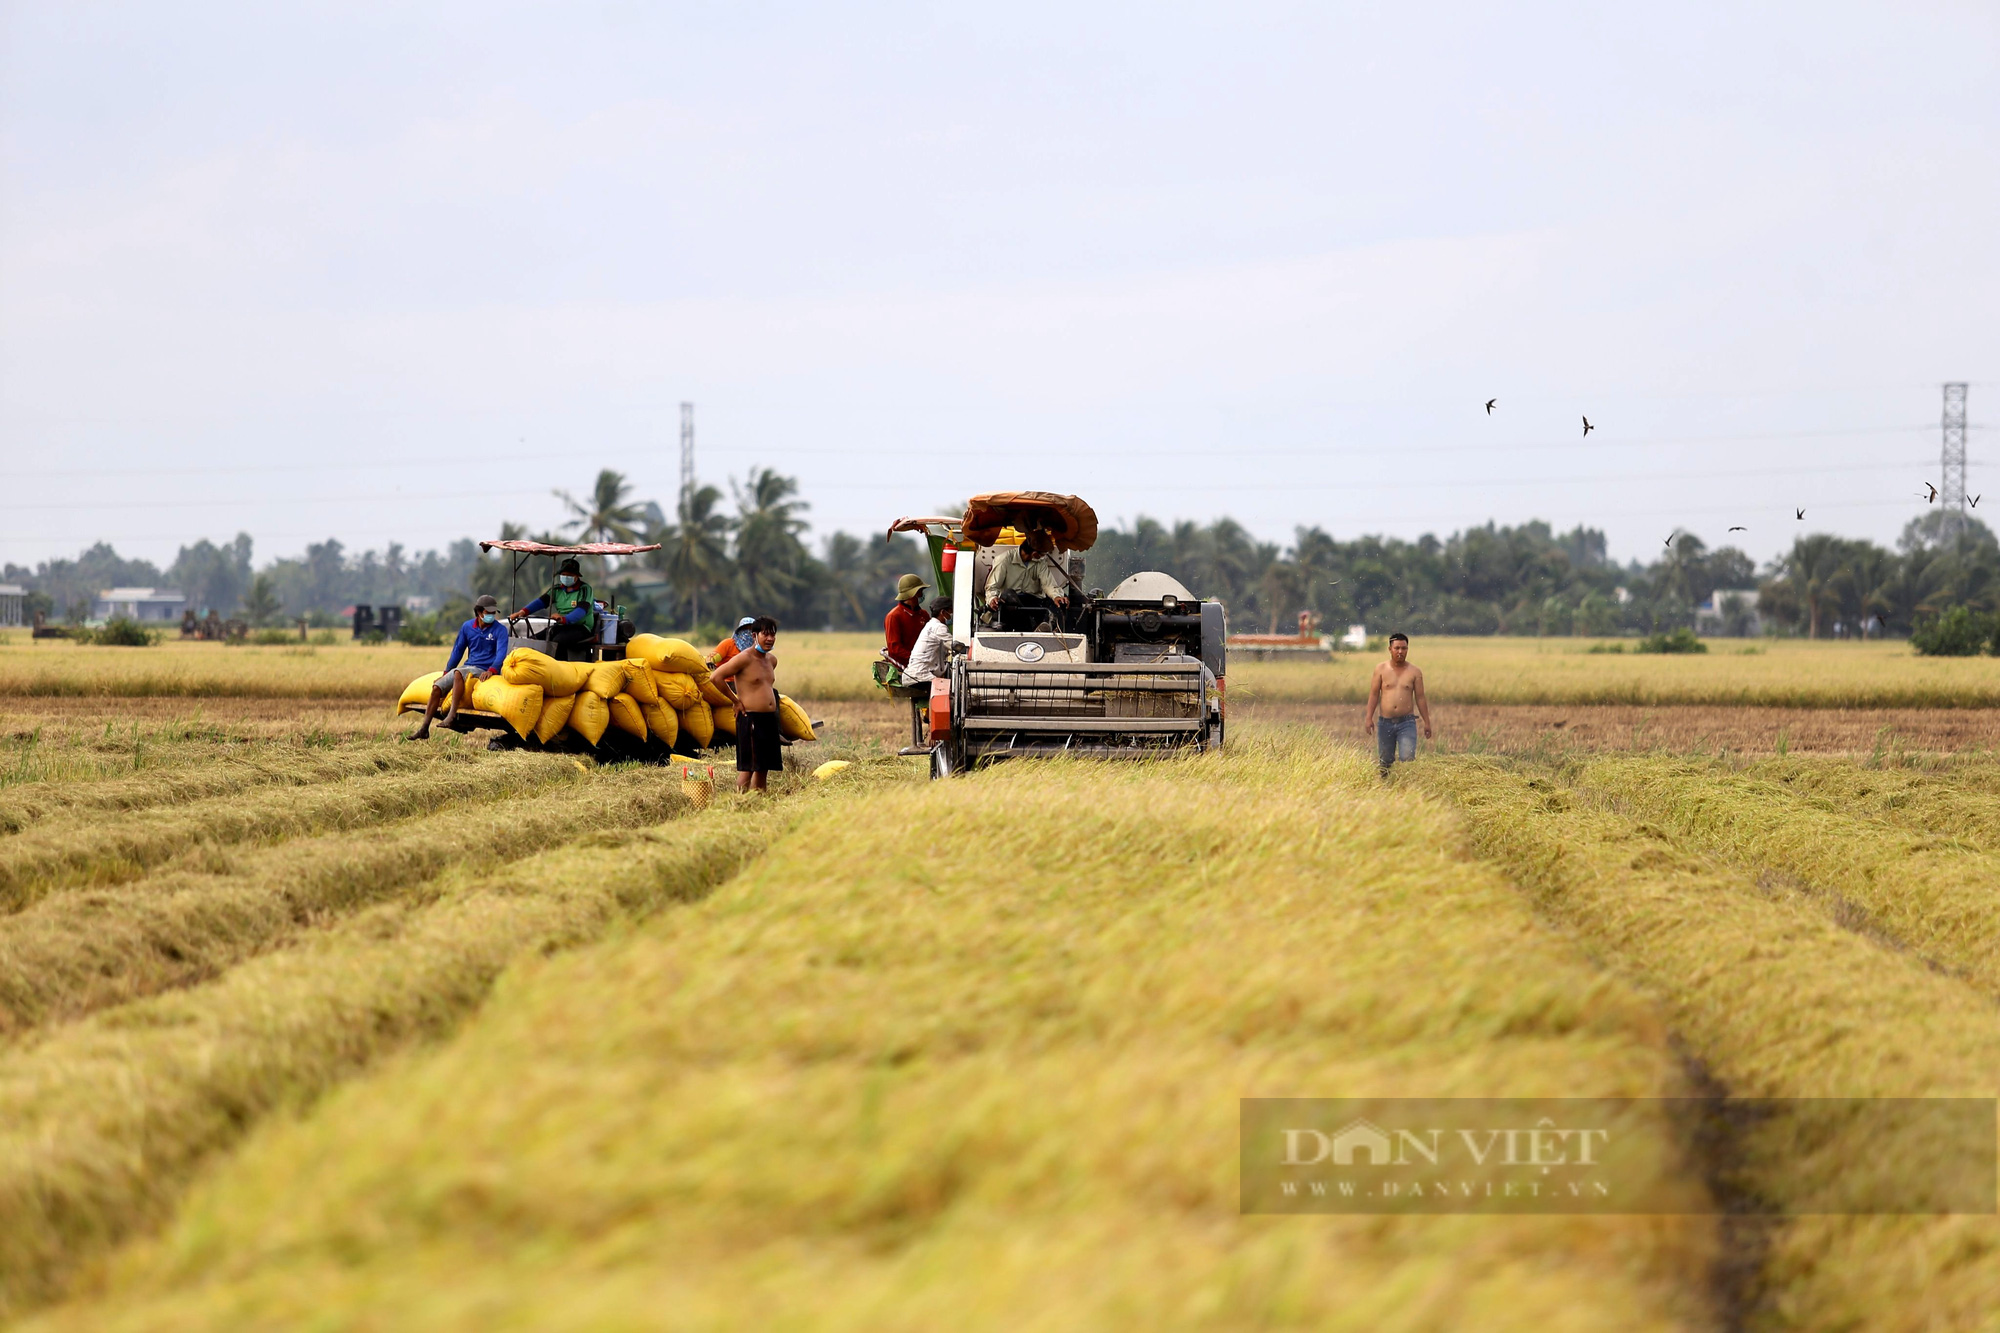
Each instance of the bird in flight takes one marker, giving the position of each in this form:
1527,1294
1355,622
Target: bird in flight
1587,426
1933,493
1489,405
1739,529
1974,501
1802,514
1669,541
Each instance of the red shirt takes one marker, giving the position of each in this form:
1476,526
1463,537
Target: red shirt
900,628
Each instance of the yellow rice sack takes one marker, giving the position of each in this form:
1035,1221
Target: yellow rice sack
559,680
725,719
639,681
661,723
521,705
713,693
676,690
590,716
663,654
625,715
604,679
793,722
417,694
555,715
699,724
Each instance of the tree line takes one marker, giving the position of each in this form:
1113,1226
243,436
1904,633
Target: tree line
747,552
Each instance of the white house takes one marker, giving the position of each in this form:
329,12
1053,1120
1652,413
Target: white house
142,604
1729,611
12,598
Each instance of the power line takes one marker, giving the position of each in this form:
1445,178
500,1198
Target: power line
1065,452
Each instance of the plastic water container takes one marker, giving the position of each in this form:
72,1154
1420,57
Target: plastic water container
608,624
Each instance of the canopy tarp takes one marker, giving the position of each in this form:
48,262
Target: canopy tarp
585,548
1071,522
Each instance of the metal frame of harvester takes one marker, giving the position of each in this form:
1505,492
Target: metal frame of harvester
1137,673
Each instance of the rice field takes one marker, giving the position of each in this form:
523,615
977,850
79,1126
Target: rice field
828,667
301,1025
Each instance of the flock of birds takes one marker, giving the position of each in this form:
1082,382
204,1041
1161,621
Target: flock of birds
1492,403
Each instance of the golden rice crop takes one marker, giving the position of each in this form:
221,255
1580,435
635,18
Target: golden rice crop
103,1122
215,670
184,778
1956,797
1779,1000
817,666
933,1062
75,952
1782,673
1928,891
83,850
812,665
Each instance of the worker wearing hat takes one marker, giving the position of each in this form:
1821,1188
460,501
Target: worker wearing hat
733,643
905,621
572,610
477,653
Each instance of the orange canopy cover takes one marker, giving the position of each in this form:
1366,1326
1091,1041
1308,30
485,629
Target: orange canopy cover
1066,518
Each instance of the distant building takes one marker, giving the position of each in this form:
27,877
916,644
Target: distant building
142,604
1731,612
12,598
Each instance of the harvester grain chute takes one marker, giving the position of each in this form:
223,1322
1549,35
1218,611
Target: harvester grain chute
1138,672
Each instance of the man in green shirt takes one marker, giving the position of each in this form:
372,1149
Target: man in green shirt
572,611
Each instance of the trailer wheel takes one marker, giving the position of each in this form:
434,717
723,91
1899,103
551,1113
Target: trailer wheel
941,762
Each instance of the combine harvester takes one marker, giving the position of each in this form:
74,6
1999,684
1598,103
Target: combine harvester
1133,674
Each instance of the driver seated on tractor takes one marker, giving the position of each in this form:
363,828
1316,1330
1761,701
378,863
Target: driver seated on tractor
571,608
1025,587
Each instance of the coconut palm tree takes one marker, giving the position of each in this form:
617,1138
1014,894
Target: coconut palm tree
772,563
608,513
694,549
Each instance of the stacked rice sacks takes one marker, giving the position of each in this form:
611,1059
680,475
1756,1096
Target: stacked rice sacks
661,691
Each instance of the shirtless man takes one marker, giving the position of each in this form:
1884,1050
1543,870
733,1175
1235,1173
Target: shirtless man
752,677
1396,691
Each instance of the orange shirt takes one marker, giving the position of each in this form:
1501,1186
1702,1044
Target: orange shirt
723,652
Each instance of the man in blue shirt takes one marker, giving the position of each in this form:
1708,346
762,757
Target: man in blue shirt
482,646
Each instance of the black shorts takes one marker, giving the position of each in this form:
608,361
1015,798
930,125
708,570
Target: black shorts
757,747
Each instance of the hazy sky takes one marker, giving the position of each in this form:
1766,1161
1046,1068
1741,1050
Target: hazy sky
392,272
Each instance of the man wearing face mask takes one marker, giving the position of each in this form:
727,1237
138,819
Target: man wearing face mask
571,607
482,646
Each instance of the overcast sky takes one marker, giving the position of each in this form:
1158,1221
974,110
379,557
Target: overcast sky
393,272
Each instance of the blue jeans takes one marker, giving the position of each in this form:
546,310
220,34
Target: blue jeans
1395,738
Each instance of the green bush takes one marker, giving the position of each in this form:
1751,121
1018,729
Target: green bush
1682,640
1607,648
421,631
1959,632
120,633
274,637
